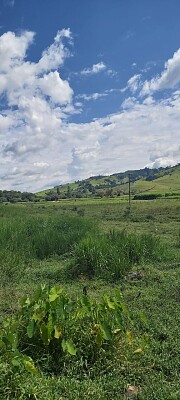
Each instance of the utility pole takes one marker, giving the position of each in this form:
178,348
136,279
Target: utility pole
129,190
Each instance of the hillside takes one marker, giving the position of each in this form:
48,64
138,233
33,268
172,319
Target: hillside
157,182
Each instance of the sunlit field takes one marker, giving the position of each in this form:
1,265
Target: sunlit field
90,299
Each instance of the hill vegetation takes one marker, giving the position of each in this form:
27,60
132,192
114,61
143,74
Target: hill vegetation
13,196
145,184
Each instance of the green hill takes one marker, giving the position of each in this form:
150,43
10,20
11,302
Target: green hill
145,183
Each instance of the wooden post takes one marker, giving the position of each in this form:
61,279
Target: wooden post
129,191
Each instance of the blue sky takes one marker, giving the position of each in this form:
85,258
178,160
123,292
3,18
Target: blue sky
87,88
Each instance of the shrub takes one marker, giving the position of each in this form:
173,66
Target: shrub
59,335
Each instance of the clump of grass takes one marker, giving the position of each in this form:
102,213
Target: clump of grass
111,256
24,239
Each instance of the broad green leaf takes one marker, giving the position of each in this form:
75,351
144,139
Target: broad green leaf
118,316
54,293
110,303
13,339
50,324
45,333
38,315
57,332
106,330
31,328
71,348
30,367
60,307
85,302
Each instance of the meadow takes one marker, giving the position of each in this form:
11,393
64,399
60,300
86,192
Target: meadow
90,299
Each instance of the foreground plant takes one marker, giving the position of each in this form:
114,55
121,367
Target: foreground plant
56,334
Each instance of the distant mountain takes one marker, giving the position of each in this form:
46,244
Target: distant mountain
144,182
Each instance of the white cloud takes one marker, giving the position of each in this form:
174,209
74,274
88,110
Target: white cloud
37,99
5,122
95,69
13,49
40,148
134,65
134,83
92,96
97,96
20,78
136,136
169,78
162,162
52,85
55,54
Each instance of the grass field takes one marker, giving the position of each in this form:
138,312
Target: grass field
58,244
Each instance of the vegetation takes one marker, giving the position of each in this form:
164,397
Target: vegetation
146,182
51,328
89,299
13,196
110,256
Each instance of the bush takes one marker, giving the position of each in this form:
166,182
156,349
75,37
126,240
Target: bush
58,335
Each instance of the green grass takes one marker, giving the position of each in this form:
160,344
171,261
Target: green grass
31,255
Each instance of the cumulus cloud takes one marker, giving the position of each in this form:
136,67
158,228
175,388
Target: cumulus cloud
36,99
13,49
139,134
40,147
19,77
95,69
57,89
169,78
128,139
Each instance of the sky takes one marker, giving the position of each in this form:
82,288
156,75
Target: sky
87,87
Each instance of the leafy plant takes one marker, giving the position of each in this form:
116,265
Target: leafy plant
59,334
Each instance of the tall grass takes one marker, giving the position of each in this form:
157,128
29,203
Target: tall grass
110,256
27,238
